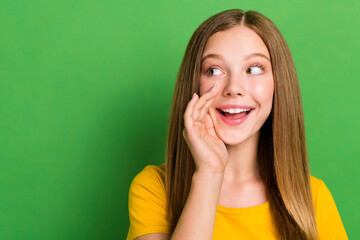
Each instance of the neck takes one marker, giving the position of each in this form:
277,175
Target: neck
242,162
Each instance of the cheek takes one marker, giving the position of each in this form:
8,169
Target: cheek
263,91
205,86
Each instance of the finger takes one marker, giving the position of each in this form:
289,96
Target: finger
207,96
204,101
190,109
204,111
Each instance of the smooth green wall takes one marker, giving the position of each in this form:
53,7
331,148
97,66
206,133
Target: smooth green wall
85,91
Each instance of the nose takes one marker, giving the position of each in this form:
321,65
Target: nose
234,86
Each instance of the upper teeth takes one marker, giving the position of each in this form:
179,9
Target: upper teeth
235,110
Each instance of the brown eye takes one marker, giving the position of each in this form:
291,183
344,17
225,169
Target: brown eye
255,69
214,71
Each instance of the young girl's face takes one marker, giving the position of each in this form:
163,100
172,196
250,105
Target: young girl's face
239,60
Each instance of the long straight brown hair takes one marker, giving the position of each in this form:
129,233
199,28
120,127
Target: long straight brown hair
282,153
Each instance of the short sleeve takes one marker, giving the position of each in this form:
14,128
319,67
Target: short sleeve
328,218
147,203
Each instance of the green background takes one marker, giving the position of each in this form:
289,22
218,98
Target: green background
85,91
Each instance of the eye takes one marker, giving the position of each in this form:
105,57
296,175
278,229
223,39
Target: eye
255,69
214,71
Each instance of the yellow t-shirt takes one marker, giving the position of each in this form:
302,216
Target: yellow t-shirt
147,212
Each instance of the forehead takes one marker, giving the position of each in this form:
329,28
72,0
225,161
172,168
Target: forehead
235,42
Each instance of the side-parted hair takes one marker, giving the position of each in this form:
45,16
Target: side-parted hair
282,153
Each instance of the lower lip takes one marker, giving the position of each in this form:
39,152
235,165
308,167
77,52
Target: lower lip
234,122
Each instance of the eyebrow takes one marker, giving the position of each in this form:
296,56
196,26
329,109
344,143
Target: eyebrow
212,55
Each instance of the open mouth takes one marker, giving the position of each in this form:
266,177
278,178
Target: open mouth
234,113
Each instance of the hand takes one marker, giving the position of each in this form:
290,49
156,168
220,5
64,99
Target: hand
209,152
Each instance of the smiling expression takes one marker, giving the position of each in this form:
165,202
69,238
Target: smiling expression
239,60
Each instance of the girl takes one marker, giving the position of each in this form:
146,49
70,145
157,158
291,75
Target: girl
236,164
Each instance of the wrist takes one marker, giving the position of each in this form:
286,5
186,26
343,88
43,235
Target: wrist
208,176
215,170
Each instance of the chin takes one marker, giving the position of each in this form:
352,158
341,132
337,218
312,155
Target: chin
232,139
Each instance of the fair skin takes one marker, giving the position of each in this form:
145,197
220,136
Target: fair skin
237,62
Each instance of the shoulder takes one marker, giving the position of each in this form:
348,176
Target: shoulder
152,171
147,202
151,180
328,219
316,186
151,175
320,192
158,170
